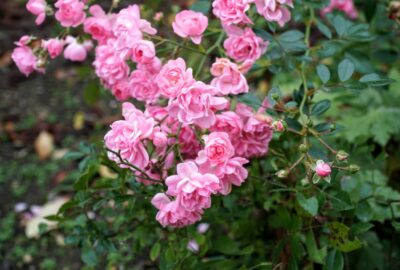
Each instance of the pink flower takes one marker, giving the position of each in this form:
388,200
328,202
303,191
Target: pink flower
278,126
53,46
229,80
256,134
230,123
347,6
243,45
275,10
191,24
218,149
109,64
322,169
129,27
234,174
25,60
192,189
99,26
188,142
143,51
197,105
171,213
37,8
232,11
76,51
121,89
153,67
142,86
173,77
126,137
70,13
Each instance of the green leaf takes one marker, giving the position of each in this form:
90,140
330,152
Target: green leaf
324,29
323,73
155,251
361,227
250,99
320,107
396,225
341,201
341,25
315,254
291,36
202,6
345,70
310,205
339,237
334,260
89,257
374,79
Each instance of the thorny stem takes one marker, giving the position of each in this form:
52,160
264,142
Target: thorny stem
322,141
125,162
208,52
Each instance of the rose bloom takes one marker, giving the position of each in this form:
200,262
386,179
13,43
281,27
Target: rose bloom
243,45
230,123
234,174
37,8
232,11
229,80
70,13
143,51
53,46
173,77
171,213
25,60
153,67
121,89
197,105
142,86
76,51
190,24
192,189
109,64
347,6
99,26
128,26
218,149
322,169
275,10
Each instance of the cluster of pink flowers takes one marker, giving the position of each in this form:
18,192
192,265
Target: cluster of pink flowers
346,6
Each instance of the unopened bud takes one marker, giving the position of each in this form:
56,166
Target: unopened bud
342,155
354,168
282,173
275,96
394,10
332,127
278,126
304,181
41,63
303,148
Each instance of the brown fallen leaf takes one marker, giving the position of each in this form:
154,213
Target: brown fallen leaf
44,144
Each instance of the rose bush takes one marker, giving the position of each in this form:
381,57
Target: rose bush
227,120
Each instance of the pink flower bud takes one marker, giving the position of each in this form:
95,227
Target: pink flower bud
322,169
278,126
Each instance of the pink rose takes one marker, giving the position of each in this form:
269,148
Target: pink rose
278,126
234,174
232,11
188,142
109,65
347,6
129,27
142,86
197,105
25,60
171,213
173,77
153,67
99,26
192,189
275,10
76,51
243,45
322,169
70,13
191,24
53,46
143,51
229,80
230,123
218,149
121,89
37,8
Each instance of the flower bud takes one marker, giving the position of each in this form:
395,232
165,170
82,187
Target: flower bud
342,155
275,96
353,168
282,173
333,127
322,169
278,126
304,181
303,148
